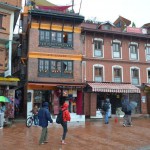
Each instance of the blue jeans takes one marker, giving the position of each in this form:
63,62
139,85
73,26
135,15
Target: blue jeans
106,117
36,121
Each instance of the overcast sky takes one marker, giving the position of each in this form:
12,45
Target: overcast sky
137,11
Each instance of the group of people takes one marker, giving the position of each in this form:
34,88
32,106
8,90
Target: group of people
127,112
44,117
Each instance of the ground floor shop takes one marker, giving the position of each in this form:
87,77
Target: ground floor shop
146,98
8,87
96,93
37,93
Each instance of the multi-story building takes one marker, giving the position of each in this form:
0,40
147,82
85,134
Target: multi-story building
116,62
9,13
52,56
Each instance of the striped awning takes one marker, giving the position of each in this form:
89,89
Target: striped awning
114,88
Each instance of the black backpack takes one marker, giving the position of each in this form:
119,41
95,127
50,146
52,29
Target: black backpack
106,106
59,118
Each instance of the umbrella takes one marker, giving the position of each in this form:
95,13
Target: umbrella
133,105
4,99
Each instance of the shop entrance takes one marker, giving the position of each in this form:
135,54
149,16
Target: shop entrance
41,96
115,100
19,103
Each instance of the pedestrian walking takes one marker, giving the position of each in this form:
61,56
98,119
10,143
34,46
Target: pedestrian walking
106,107
66,117
35,114
44,116
127,119
126,108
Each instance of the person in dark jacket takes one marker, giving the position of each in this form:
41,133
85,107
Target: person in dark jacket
127,119
127,111
44,116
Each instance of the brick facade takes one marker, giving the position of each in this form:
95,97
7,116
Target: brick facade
33,63
7,23
107,61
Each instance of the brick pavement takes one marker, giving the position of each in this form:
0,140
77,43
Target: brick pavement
91,135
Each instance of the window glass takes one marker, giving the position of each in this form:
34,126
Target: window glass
59,38
67,66
98,49
43,67
55,66
148,53
41,35
54,36
117,75
116,50
70,38
98,74
107,27
65,37
47,36
135,76
56,39
133,52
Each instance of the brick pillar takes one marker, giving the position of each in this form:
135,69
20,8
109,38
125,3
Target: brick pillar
144,104
87,104
93,102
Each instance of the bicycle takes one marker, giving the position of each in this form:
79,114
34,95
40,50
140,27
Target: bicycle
30,120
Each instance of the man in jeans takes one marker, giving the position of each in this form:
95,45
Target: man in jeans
44,116
106,107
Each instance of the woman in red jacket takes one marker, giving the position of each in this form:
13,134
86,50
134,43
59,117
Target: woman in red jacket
66,117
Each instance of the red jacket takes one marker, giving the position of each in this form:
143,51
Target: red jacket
66,113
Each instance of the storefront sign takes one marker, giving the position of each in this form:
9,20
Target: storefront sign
136,30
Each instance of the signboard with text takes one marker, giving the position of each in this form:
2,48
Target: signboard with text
136,30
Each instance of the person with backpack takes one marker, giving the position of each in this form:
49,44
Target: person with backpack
106,107
127,111
66,117
44,116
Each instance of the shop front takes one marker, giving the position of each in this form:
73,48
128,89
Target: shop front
7,89
146,99
37,93
96,93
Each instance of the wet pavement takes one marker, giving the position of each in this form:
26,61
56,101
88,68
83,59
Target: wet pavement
91,135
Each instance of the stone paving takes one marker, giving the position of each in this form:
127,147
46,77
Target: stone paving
91,135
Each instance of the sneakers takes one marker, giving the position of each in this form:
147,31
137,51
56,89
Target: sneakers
127,125
63,143
124,125
41,143
45,141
